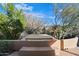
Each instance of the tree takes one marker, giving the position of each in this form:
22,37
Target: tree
70,16
65,21
12,23
35,24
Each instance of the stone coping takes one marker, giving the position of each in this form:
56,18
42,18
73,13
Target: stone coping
26,40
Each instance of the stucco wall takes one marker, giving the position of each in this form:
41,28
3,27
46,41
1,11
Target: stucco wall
55,44
70,43
17,44
65,43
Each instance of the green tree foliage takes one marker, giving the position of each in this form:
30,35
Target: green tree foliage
5,47
66,22
70,20
12,23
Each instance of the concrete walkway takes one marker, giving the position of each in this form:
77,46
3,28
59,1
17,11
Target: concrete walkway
62,53
14,54
69,52
74,51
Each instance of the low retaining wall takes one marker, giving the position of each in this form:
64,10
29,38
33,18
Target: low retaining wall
70,43
17,44
55,44
65,43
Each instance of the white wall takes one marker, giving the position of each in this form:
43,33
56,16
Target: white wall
70,43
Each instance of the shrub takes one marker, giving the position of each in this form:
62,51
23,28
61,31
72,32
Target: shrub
4,47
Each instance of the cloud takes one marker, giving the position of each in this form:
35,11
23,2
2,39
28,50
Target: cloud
46,19
24,7
60,10
39,15
51,17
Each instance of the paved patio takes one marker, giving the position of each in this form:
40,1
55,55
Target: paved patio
74,51
16,53
69,52
62,53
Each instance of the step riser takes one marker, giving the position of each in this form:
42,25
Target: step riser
32,43
19,44
37,53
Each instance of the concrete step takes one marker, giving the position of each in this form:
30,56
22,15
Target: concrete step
16,45
36,51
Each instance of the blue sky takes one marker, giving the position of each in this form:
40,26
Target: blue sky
45,11
41,10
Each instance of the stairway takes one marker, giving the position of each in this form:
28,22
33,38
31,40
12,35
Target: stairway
38,45
42,48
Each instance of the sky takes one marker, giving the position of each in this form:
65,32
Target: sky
45,11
